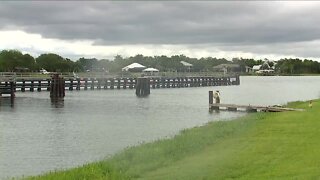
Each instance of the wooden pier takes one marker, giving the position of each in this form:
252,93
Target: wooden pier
246,108
37,85
250,108
7,85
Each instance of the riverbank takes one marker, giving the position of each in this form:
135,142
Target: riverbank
261,145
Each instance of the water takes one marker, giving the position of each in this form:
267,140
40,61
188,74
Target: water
37,135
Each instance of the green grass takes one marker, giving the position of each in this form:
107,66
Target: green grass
258,146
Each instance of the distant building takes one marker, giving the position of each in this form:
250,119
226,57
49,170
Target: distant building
227,68
134,67
248,69
265,68
151,71
256,68
187,65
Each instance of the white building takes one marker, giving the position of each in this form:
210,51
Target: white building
134,67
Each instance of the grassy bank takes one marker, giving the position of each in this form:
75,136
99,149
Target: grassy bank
258,146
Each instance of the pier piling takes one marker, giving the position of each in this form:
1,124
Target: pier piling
57,88
143,87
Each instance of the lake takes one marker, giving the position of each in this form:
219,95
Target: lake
37,135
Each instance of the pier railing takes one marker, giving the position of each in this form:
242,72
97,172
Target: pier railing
39,84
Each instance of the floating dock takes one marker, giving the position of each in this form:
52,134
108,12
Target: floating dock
247,108
250,108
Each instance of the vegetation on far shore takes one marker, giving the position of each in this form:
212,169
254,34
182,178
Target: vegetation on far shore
258,146
14,60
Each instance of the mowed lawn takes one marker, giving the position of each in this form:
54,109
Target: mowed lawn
258,146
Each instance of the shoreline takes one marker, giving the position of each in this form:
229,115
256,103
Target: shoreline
241,148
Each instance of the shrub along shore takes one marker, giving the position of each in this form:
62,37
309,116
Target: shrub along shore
258,146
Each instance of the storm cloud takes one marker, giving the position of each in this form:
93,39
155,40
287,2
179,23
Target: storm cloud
283,28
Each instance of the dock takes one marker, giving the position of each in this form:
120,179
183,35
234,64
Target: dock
250,108
7,85
44,84
246,108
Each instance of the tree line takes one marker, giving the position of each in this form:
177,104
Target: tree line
14,60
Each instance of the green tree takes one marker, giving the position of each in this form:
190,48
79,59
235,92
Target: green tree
53,62
10,59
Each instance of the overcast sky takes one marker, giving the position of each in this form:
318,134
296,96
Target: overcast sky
253,29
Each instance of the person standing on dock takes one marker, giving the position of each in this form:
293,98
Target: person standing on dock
216,96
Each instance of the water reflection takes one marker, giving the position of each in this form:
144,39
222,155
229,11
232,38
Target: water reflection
57,102
6,102
214,111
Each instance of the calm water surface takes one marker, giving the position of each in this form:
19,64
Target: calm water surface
37,135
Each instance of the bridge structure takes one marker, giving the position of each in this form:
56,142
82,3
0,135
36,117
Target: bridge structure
45,84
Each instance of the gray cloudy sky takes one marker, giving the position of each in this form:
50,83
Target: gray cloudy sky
103,29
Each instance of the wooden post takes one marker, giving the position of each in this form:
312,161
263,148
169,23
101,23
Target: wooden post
112,83
191,82
218,81
168,83
153,83
31,86
206,81
211,104
71,85
186,82
125,81
237,80
158,83
78,84
143,87
57,89
105,83
92,83
210,97
173,82
62,87
131,83
163,84
183,82
12,95
23,88
39,86
134,82
85,83
202,81
119,83
99,83
48,86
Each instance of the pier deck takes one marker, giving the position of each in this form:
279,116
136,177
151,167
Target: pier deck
250,108
122,83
